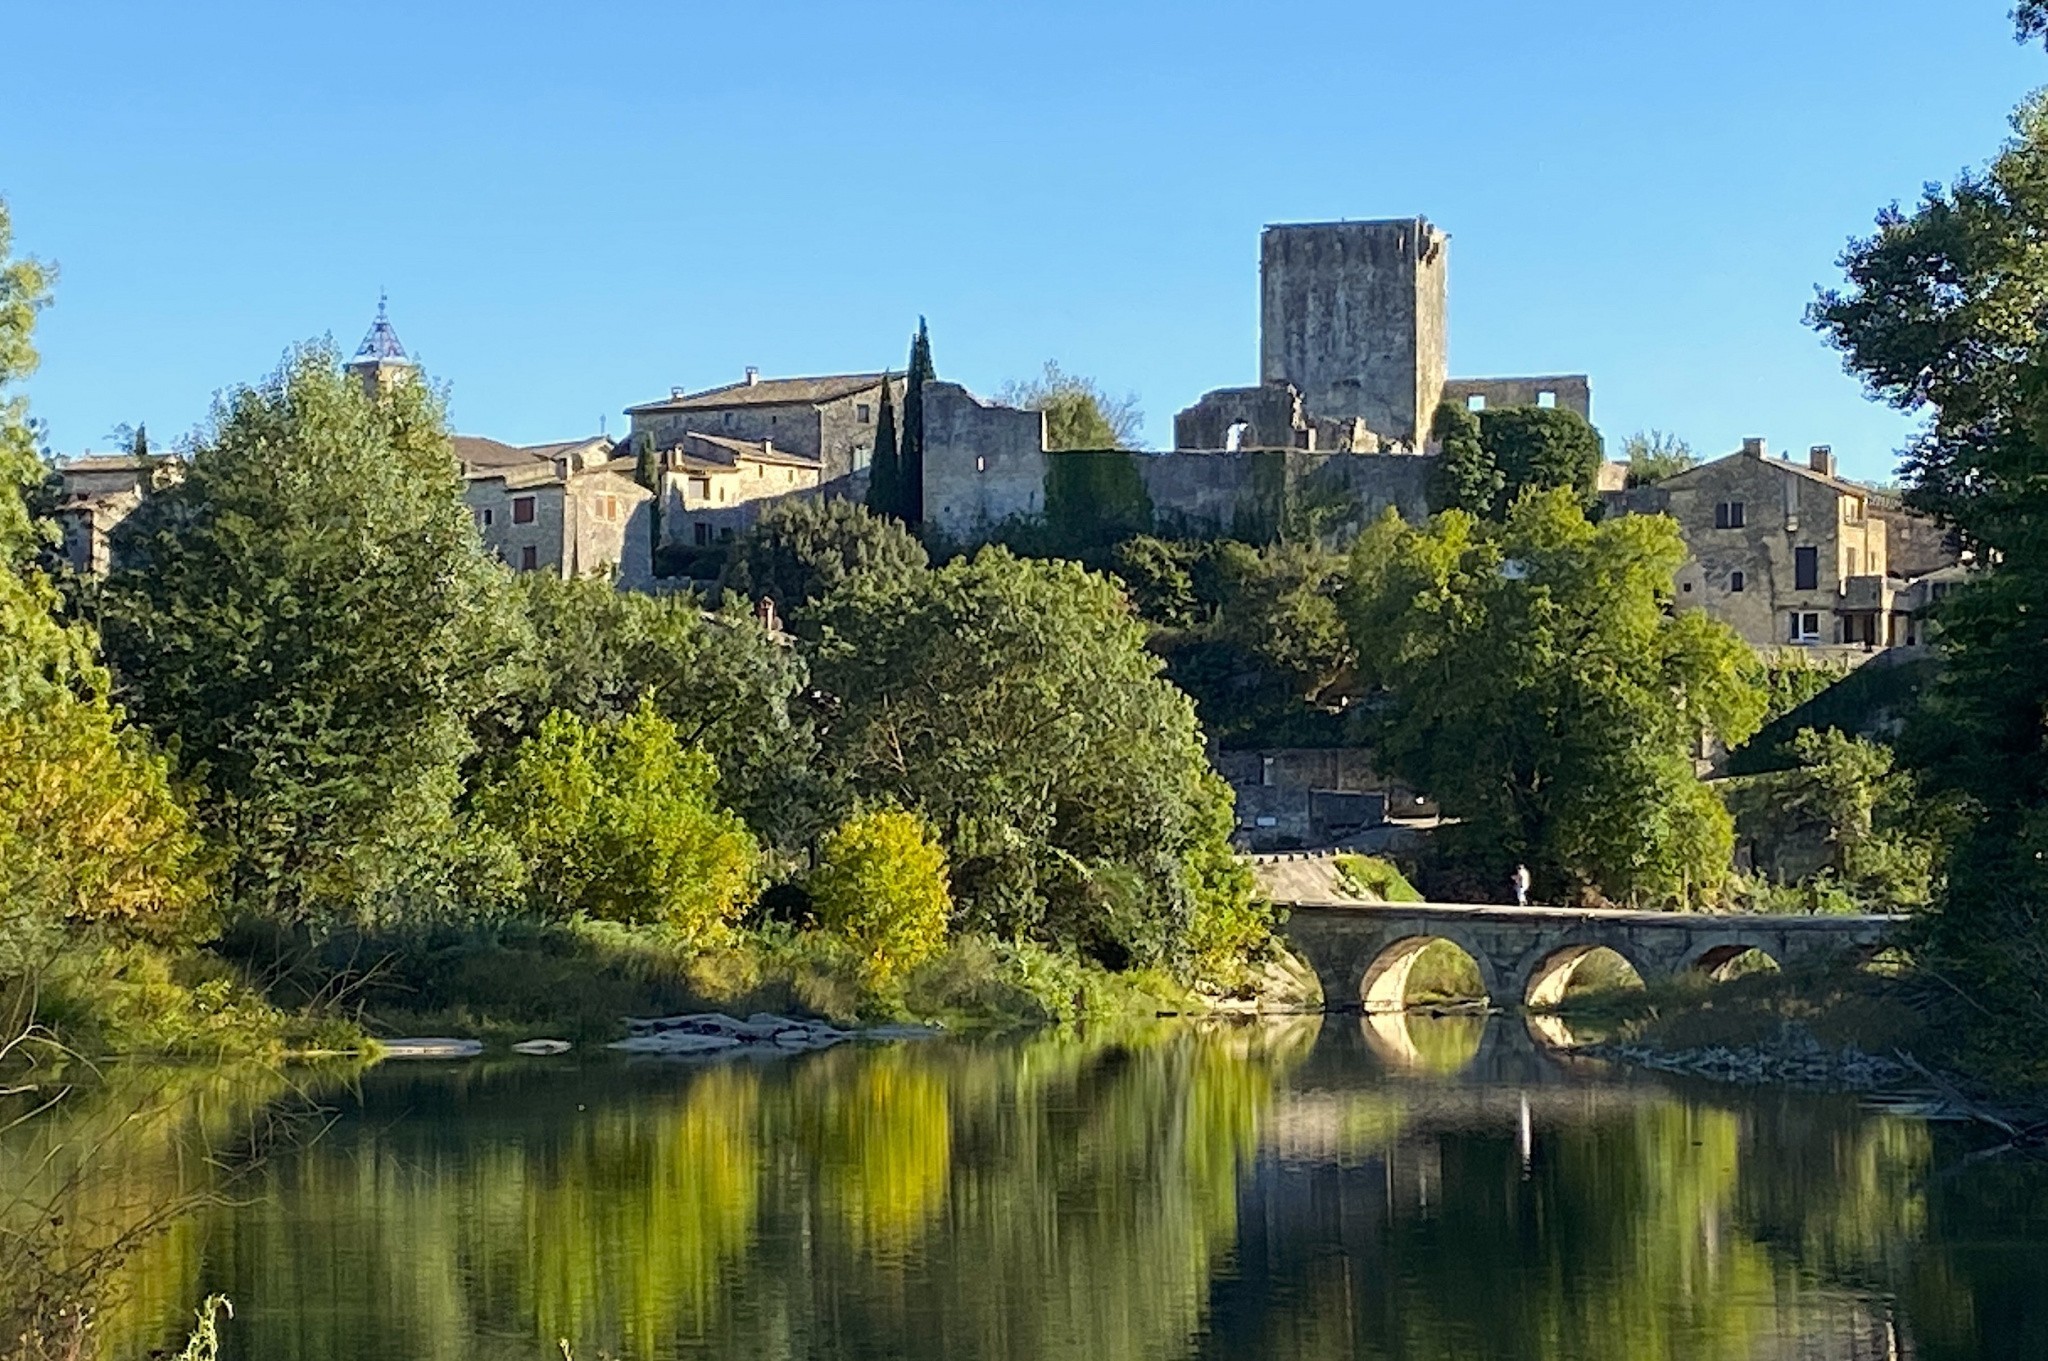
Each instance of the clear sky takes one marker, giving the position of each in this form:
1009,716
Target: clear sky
575,207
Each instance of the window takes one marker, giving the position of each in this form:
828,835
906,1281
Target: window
522,510
1852,510
1805,626
860,413
529,558
1736,581
610,507
703,534
1476,402
484,517
725,534
1728,515
1687,588
1806,569
1851,556
727,420
700,487
981,463
1546,400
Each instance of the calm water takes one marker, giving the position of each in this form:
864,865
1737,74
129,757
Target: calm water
1322,1189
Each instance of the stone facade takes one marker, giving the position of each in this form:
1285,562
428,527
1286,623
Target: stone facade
570,508
830,419
1787,553
1566,391
1294,798
714,488
96,492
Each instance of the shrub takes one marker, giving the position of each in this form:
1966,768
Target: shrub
1371,877
616,819
881,884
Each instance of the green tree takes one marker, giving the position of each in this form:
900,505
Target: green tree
310,621
1653,455
1465,476
885,469
881,883
647,472
1538,448
1942,316
1014,704
799,550
1078,413
727,686
1533,677
909,491
616,819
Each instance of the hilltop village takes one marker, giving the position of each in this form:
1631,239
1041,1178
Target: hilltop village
1343,424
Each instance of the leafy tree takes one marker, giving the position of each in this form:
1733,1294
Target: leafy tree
909,497
729,689
1943,316
1078,413
1013,703
800,549
1532,675
881,883
885,469
91,831
1465,476
1653,455
1538,448
615,819
310,621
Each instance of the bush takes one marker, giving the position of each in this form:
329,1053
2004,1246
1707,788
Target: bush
1368,876
881,884
616,820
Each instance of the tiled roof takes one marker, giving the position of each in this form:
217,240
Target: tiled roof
476,451
768,392
754,451
1843,485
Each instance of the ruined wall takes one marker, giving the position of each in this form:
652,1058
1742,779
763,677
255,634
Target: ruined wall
1566,391
1354,314
983,463
1274,418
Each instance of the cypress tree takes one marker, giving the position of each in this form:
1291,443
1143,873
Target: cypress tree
885,469
647,472
910,498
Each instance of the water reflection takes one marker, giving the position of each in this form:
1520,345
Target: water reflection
1322,1189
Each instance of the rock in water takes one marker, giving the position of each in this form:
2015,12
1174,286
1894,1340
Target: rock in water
541,1047
432,1047
674,1042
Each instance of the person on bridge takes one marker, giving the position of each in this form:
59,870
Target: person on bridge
1520,880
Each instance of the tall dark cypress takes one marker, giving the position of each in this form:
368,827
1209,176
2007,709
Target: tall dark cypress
885,469
911,496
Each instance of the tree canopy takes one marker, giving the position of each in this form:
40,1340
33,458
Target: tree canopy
1653,455
1078,413
1531,674
1489,458
800,549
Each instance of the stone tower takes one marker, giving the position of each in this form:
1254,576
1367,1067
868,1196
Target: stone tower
381,362
1353,315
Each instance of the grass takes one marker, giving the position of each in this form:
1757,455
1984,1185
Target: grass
1377,879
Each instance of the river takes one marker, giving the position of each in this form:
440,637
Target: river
1318,1189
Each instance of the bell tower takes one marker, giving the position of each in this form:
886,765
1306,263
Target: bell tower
380,362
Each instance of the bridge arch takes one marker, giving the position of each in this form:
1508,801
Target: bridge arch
1712,960
1552,973
1384,985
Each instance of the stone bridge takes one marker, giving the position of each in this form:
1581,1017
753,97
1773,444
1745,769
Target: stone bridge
1526,955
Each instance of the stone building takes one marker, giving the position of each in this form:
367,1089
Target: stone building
714,487
380,363
1354,351
1790,554
829,419
569,508
96,492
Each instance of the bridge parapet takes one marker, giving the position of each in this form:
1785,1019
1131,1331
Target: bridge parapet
1526,955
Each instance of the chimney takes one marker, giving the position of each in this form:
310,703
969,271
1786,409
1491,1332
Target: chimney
753,375
675,394
1821,458
1755,447
767,446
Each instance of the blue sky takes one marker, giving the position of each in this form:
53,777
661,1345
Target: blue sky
576,207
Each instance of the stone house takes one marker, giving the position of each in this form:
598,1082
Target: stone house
713,487
830,419
569,508
1789,554
1296,798
96,492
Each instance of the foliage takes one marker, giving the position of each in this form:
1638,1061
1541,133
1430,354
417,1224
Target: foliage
1465,476
1078,413
881,884
309,620
647,473
1540,448
615,819
1013,703
1653,455
800,549
1370,876
1943,316
1093,498
1532,676
885,467
896,485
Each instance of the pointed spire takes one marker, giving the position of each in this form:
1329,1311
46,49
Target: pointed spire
382,345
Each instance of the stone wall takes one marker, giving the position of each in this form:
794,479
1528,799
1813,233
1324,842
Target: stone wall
794,426
1354,315
984,464
1566,391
